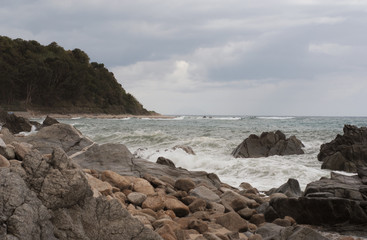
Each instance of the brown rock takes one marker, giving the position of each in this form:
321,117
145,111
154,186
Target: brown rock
247,213
167,233
115,179
136,198
165,161
154,202
233,222
282,222
185,184
198,225
154,181
234,201
278,195
291,220
197,205
167,179
103,187
257,219
4,162
121,197
6,150
188,200
179,208
21,149
216,207
143,186
256,237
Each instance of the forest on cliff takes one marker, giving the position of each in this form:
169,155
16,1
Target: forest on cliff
52,79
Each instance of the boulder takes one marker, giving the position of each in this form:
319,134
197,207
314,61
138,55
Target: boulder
7,150
14,123
346,152
179,208
58,135
291,189
233,222
268,144
143,186
49,121
273,231
205,193
235,202
184,184
136,198
116,180
154,203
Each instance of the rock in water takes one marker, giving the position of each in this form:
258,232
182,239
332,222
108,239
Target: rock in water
49,121
14,123
347,152
268,144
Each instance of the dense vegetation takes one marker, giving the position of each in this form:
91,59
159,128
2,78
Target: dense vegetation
51,79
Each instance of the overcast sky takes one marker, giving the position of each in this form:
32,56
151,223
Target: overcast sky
238,57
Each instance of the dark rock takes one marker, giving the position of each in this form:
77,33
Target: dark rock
257,219
291,189
268,144
14,123
340,186
346,152
49,121
165,161
320,211
273,231
187,149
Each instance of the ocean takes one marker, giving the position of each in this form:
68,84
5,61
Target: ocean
213,138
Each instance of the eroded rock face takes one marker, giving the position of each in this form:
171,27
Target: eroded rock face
48,197
346,152
268,144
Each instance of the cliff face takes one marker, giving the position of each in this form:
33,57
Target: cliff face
52,79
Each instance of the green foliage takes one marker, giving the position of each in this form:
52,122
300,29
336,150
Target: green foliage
49,78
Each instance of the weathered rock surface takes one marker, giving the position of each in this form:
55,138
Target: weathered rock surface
346,152
58,135
48,197
268,144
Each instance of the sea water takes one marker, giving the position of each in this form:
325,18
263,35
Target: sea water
213,138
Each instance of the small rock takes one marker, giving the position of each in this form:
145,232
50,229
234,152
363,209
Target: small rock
143,186
136,198
216,207
115,179
198,225
185,184
4,162
246,213
154,202
233,222
49,121
282,222
197,205
257,219
205,193
103,187
179,208
21,149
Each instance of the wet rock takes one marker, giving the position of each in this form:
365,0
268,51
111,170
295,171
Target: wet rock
291,189
346,152
165,161
268,144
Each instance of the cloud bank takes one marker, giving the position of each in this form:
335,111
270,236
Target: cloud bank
238,57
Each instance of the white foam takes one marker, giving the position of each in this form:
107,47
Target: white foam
276,118
33,130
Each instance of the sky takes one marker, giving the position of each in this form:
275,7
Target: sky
218,57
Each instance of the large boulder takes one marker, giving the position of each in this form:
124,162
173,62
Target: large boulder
60,135
14,123
268,144
346,152
48,197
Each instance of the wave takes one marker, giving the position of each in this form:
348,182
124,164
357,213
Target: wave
276,118
217,118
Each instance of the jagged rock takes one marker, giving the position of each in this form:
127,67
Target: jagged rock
346,152
120,159
233,222
51,199
205,193
58,135
187,149
14,123
291,189
49,121
273,231
165,161
268,144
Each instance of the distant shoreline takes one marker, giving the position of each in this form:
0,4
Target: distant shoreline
29,115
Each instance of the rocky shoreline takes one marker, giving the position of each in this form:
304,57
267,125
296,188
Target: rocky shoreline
58,184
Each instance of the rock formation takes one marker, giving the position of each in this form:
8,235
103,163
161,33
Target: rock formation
268,144
346,152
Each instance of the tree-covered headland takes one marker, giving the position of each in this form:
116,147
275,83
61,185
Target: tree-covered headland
52,79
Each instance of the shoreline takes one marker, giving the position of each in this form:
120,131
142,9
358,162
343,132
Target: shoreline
30,115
